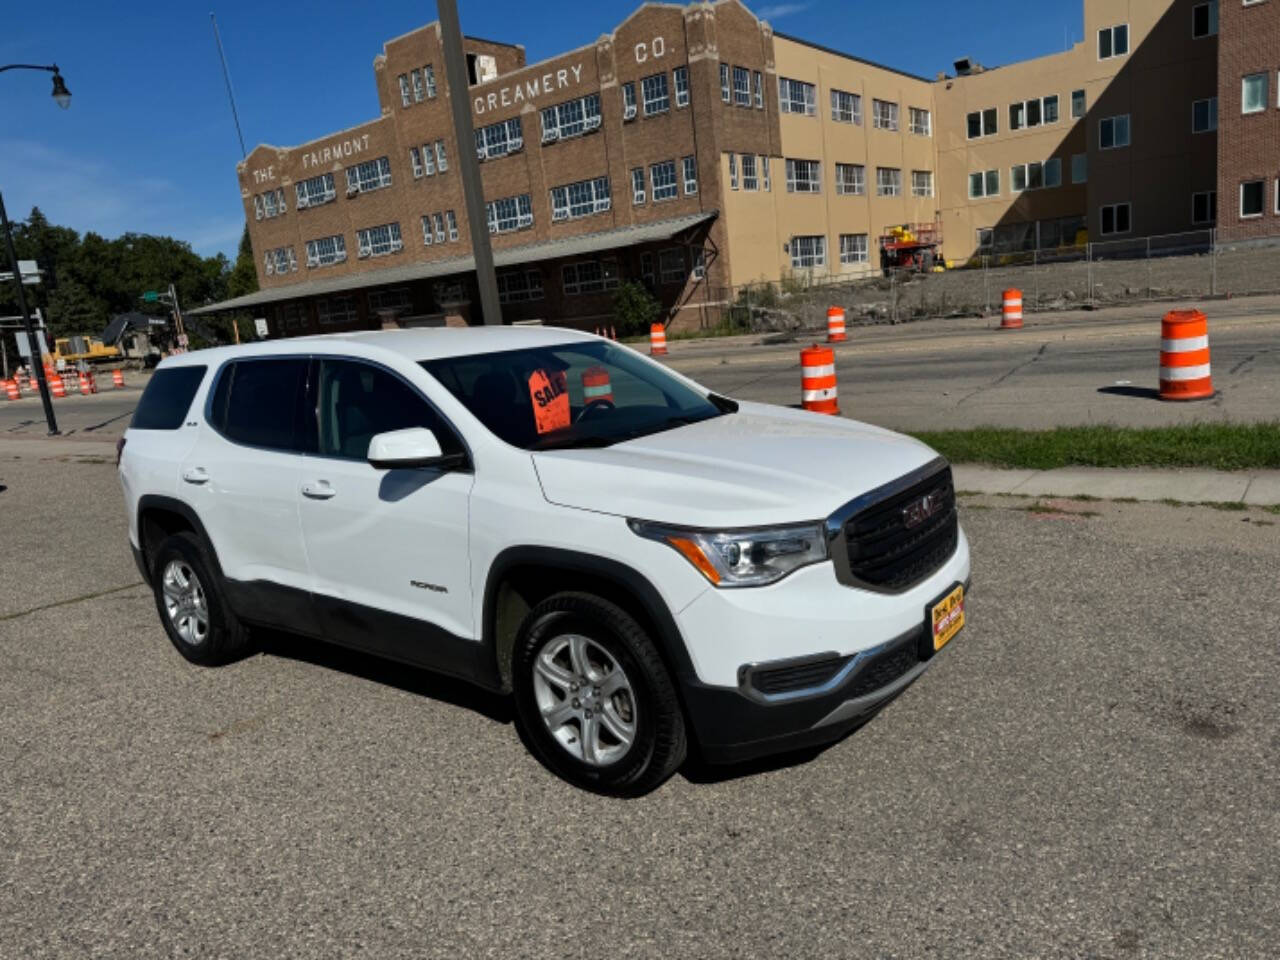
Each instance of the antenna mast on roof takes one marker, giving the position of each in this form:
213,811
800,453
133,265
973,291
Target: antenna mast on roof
226,75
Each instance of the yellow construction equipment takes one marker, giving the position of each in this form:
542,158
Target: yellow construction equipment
89,349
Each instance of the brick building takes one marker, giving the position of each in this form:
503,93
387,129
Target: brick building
1249,119
695,150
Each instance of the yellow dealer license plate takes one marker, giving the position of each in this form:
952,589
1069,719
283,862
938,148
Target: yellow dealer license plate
947,617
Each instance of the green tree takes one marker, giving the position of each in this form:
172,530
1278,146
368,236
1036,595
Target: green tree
244,275
634,309
72,310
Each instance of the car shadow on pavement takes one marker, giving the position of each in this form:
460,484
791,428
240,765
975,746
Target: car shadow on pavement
1141,393
696,769
415,680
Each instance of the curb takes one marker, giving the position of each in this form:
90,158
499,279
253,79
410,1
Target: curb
1259,488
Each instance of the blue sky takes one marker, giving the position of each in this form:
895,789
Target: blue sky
149,145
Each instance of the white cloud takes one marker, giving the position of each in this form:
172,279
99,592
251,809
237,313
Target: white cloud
89,194
776,11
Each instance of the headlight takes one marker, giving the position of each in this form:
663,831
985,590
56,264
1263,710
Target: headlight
742,558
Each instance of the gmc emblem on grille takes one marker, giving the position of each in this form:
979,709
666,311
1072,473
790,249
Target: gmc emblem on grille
918,511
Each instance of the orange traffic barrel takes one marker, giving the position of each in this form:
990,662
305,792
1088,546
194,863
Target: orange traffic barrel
595,385
12,390
1011,310
818,379
117,378
657,340
34,384
1184,356
835,325
84,385
57,387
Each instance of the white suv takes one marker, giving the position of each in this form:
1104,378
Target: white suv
640,562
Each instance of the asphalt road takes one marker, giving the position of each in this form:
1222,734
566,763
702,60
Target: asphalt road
1060,369
1090,770
1057,371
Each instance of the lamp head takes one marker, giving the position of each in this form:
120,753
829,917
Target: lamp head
61,95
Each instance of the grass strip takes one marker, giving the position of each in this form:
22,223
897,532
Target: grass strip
1206,445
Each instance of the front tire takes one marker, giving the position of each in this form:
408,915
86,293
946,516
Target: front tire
594,699
192,605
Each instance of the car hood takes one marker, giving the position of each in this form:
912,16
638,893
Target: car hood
761,465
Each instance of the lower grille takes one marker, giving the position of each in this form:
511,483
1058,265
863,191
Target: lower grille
885,668
900,539
777,680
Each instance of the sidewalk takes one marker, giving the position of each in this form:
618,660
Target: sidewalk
1254,487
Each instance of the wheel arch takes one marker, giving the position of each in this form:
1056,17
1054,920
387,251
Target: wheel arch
160,517
521,577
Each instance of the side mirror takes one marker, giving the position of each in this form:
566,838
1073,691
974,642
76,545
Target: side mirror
413,448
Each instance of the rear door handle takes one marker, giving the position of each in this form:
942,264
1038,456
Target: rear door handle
195,475
318,490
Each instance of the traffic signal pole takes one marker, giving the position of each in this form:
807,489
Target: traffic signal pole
37,361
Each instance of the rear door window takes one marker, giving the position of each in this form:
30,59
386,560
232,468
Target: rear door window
259,403
167,398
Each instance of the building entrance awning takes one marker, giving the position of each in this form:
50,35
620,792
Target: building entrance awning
583,245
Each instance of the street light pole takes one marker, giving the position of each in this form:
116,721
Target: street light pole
62,97
472,188
37,361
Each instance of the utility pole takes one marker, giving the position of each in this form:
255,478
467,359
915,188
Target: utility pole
37,361
472,189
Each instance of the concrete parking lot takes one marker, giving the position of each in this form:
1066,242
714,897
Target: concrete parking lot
1089,771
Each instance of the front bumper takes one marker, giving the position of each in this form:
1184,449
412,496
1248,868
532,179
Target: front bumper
740,724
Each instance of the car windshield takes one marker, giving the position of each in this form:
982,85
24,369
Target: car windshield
585,394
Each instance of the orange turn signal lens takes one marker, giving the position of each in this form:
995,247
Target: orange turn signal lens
693,553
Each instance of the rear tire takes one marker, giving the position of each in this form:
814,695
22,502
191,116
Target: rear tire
594,699
192,605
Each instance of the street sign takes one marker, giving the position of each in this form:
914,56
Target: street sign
29,270
260,324
151,296
24,347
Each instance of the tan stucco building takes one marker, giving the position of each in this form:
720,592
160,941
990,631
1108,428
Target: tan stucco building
695,150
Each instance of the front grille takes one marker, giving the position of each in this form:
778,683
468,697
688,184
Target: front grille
800,677
884,552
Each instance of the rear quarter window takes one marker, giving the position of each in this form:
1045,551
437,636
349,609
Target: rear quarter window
167,398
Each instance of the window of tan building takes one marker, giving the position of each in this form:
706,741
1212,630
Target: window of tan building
803,176
851,179
846,107
1113,41
315,190
888,182
1116,218
656,98
922,183
853,248
984,183
884,115
509,214
921,122
750,177
808,252
1079,104
796,96
571,201
572,118
983,123
1113,132
1079,167
1204,207
378,241
1204,115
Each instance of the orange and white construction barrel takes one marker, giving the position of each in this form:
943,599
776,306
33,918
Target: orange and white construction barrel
657,340
1184,356
1011,310
11,390
117,379
85,388
835,325
818,380
57,387
596,385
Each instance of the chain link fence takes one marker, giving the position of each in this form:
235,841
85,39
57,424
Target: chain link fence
1171,267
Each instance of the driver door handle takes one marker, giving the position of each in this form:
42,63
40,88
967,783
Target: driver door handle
318,490
195,475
